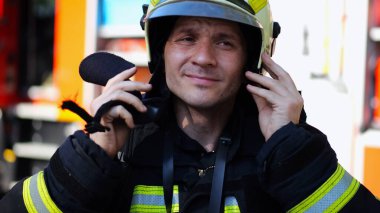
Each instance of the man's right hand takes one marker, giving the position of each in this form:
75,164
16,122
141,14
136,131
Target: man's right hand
118,119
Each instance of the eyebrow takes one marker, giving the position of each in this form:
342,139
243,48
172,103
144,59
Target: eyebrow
221,35
186,29
224,35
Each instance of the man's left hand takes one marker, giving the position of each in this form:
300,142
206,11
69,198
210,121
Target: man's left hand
277,97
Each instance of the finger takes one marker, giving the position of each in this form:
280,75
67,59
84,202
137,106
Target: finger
267,82
118,112
276,71
291,106
268,95
119,95
269,65
123,93
121,76
260,101
129,99
125,115
128,86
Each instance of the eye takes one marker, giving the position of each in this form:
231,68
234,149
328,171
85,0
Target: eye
186,39
225,44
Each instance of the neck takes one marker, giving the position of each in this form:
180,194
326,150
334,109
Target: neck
203,125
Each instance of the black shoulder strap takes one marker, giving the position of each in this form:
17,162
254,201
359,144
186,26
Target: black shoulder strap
218,176
168,170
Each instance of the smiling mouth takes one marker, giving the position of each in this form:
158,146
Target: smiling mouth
201,80
205,78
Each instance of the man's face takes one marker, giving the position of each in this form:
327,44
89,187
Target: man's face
204,59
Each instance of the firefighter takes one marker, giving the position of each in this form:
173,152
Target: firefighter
228,139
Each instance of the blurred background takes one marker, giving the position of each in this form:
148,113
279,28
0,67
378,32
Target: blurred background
331,49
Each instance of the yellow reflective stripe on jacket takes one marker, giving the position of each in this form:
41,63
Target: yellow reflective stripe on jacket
151,199
257,5
332,196
27,198
36,196
231,205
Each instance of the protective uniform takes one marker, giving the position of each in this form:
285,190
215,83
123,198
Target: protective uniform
295,170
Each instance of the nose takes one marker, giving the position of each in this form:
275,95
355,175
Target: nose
204,54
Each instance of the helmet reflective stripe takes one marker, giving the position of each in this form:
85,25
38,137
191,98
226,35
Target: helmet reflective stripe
333,195
257,5
264,16
36,196
154,2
